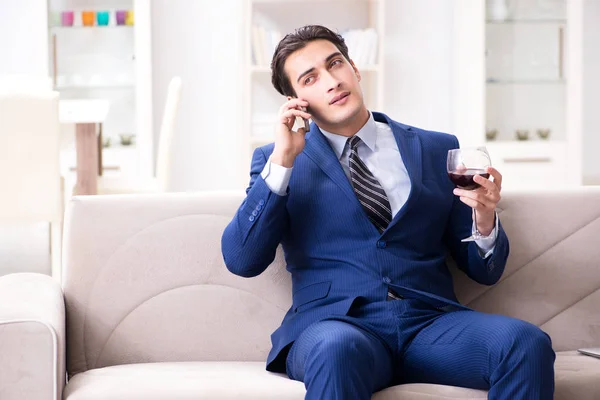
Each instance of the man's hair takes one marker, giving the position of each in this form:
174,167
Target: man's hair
295,41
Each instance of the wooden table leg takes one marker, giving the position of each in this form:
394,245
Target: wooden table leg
86,144
100,140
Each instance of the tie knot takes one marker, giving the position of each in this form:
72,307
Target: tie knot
353,142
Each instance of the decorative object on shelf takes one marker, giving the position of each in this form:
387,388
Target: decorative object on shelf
121,16
127,139
106,142
130,18
88,18
522,134
491,134
67,18
498,10
543,133
102,18
54,19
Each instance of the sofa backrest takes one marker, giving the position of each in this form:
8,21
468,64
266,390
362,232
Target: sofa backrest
144,279
552,278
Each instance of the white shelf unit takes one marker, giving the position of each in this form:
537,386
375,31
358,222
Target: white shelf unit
260,101
522,72
110,62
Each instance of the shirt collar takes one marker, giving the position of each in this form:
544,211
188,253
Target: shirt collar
368,134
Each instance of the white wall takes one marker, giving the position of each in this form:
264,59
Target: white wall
591,92
201,42
418,63
24,51
23,37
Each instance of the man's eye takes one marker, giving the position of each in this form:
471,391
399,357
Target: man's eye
308,80
336,62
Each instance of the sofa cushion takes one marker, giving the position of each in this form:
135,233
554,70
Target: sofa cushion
424,391
577,377
183,381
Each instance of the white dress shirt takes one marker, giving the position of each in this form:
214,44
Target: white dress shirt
379,151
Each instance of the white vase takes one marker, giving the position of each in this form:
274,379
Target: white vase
497,10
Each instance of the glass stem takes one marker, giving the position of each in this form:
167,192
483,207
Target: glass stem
475,221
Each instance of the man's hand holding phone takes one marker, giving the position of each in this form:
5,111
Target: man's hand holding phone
289,143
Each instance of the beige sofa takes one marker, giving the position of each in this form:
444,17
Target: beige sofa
152,313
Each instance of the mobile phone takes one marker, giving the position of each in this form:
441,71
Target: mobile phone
303,121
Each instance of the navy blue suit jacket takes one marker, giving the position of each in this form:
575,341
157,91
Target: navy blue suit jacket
336,255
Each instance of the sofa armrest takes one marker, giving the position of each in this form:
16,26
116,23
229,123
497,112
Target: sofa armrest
32,337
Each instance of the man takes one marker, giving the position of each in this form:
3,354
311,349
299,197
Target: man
365,213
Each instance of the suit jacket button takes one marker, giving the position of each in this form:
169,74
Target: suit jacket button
255,213
381,244
251,219
261,202
387,279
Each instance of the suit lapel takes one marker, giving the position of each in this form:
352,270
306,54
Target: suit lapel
319,150
410,151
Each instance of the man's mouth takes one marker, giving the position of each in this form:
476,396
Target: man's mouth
339,98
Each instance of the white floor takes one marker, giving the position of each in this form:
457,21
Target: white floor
25,248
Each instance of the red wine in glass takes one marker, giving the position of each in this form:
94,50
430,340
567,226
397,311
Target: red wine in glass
464,178
462,165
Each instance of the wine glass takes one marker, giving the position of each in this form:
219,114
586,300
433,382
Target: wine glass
462,166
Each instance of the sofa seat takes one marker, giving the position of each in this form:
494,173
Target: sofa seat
183,381
576,378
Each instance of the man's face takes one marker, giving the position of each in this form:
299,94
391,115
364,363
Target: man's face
321,75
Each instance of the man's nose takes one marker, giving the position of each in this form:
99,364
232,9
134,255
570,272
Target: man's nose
332,82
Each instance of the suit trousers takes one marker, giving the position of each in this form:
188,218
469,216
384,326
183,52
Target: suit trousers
385,343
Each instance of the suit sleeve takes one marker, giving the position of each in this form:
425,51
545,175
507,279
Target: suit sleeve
486,271
250,240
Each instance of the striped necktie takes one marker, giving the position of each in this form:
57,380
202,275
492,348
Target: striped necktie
367,188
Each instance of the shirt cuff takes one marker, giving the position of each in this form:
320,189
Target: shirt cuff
276,177
487,244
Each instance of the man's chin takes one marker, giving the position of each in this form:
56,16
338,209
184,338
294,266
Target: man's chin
344,116
339,117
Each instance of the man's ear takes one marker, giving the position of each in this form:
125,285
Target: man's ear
356,71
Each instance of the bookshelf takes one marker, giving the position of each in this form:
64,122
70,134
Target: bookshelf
522,73
361,22
110,61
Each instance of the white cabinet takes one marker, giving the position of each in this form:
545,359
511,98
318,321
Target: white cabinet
361,22
517,77
531,164
100,49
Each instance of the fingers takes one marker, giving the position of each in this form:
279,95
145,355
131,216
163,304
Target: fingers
293,103
487,196
479,199
492,191
472,203
484,182
293,113
497,177
293,108
477,205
